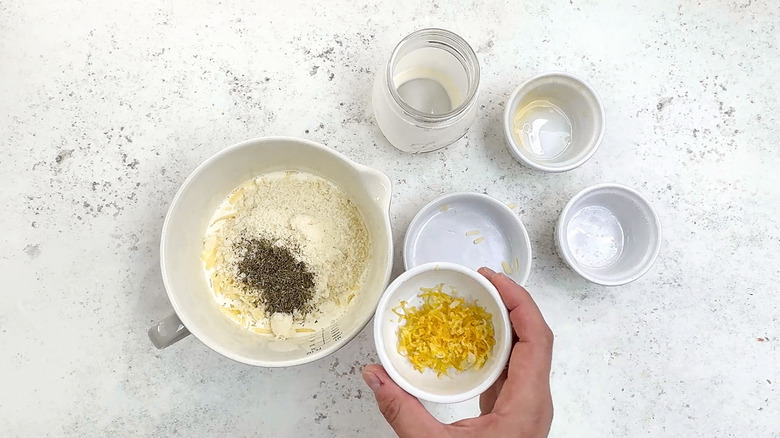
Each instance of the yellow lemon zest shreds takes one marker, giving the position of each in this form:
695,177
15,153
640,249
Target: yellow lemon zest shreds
444,332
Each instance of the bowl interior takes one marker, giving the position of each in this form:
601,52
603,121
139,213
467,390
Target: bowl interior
192,209
456,387
610,235
469,229
577,101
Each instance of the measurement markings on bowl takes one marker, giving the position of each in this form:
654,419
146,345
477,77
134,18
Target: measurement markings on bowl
323,338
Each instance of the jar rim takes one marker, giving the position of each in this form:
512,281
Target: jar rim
453,41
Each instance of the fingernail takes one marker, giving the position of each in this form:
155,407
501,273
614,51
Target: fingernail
487,271
371,380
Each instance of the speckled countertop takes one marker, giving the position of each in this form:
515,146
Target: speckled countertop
106,106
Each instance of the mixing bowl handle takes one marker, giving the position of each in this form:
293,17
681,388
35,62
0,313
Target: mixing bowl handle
167,331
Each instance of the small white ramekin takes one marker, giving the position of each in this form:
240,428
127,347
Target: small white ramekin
578,100
469,229
623,210
457,387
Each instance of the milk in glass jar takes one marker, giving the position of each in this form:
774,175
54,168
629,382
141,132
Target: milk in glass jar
426,96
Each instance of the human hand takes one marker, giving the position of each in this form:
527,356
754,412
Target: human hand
518,405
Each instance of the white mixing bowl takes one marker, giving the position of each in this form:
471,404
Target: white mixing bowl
196,310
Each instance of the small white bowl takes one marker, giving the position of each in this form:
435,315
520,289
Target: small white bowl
584,114
609,234
457,387
447,228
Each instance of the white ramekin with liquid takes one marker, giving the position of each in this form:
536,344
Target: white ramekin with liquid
609,234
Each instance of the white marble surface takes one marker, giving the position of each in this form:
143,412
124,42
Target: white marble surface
106,106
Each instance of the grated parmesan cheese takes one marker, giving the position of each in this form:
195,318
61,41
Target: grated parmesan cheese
297,210
507,268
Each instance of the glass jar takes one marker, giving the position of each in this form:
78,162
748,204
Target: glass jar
426,97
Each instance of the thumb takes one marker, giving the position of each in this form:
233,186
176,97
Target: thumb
406,415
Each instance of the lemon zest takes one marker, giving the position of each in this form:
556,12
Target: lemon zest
444,332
